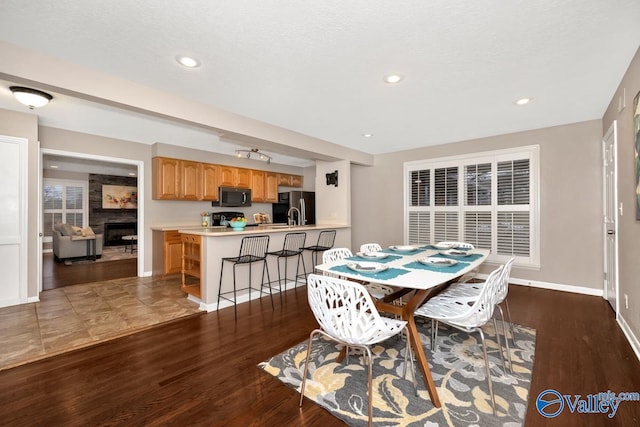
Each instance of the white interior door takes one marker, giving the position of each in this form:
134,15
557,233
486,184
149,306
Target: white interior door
610,207
13,220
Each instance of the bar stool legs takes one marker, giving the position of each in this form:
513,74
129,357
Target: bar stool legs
253,249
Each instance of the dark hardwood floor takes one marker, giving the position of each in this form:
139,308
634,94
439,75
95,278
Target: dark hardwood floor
57,274
202,370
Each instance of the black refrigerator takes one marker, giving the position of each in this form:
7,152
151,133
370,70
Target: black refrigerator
303,200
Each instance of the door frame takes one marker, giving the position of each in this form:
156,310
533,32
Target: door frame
141,197
612,132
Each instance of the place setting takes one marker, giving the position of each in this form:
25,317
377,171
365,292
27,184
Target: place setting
379,257
403,250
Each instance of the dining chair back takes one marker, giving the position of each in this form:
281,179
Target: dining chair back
370,248
467,313
346,314
336,254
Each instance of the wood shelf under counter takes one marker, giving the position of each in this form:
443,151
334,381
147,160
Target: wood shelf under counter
191,264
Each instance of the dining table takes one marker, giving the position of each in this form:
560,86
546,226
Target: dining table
416,272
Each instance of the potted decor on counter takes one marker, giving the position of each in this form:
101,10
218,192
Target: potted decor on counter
206,218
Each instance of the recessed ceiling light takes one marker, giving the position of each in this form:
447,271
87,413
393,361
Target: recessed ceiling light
132,174
367,135
187,61
523,101
393,78
53,167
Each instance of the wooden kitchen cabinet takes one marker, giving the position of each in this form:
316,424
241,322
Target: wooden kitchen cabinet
172,250
257,186
235,177
271,187
210,182
191,264
190,180
289,180
166,178
243,178
297,181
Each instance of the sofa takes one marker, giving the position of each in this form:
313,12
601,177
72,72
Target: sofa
71,242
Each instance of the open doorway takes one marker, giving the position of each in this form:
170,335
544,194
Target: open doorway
91,207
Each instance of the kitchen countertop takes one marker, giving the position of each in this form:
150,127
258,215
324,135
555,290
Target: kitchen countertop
260,229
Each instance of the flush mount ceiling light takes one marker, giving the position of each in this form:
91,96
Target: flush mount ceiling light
187,61
522,101
367,135
393,78
254,153
31,97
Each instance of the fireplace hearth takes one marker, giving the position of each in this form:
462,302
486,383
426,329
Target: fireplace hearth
113,232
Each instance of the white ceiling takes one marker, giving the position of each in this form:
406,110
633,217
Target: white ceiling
316,67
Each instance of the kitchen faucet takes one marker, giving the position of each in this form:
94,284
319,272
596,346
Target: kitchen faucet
290,220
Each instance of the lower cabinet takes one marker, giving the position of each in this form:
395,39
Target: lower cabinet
191,264
172,251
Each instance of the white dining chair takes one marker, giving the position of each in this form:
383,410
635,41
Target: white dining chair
472,290
346,314
468,314
368,248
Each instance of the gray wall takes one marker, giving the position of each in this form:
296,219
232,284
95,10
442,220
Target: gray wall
629,227
571,250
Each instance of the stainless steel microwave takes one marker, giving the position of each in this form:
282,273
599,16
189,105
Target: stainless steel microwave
233,197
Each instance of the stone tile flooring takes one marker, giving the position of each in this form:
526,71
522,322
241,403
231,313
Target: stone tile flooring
80,315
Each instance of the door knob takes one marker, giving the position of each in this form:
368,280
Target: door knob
611,232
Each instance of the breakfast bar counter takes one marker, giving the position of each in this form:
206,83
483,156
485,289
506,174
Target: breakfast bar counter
211,244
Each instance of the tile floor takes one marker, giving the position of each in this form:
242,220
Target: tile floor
76,316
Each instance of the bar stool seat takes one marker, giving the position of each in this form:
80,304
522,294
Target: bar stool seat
292,247
253,249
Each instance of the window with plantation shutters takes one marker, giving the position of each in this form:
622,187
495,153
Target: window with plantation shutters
487,199
64,201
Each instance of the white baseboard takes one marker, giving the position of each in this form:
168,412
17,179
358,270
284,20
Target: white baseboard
633,340
255,294
33,299
552,286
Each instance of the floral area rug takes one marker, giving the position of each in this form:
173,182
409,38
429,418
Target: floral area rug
457,367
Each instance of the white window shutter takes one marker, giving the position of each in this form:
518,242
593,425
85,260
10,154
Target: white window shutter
419,228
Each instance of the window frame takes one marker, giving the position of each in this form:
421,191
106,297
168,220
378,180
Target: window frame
530,152
63,211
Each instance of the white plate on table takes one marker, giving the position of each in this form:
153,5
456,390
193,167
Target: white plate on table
367,267
407,248
438,262
457,253
445,245
372,255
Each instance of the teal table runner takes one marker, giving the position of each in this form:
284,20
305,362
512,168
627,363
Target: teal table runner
390,273
468,258
380,260
438,269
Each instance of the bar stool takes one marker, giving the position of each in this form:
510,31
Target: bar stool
292,247
325,242
253,249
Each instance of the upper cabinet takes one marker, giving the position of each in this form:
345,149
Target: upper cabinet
271,187
190,180
210,181
166,178
235,177
257,186
175,179
289,180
